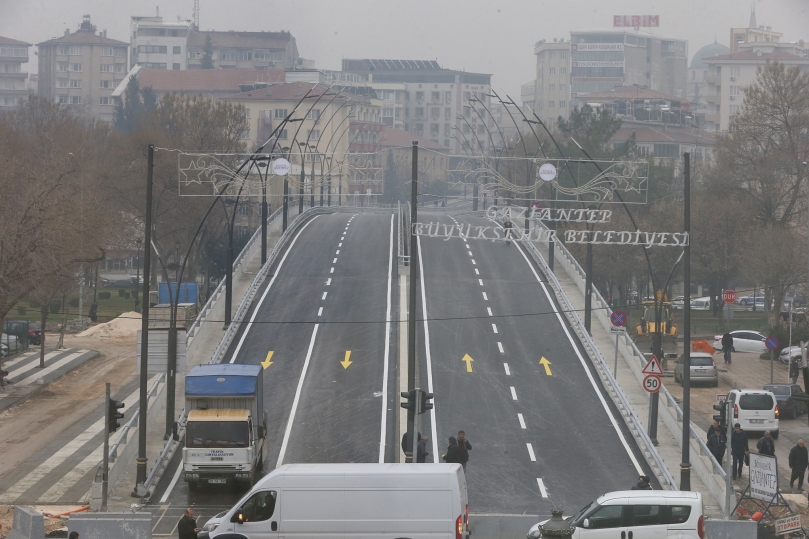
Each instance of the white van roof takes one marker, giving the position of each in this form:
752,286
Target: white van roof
335,475
668,494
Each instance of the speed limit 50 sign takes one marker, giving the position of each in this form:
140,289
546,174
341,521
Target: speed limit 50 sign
651,383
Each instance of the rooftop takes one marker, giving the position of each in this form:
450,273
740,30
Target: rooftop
9,41
757,56
629,92
231,38
650,133
206,80
287,92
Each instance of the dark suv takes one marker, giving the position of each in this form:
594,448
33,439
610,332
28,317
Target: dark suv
27,332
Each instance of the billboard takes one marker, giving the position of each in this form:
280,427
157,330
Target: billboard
597,47
763,477
636,21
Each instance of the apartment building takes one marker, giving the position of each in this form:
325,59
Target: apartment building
698,77
444,105
13,80
157,44
82,69
244,50
551,96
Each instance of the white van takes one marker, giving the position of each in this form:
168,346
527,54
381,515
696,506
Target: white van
701,304
642,513
756,410
352,500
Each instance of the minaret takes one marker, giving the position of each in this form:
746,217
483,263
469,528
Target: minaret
753,17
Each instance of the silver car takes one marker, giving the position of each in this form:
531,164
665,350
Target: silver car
703,369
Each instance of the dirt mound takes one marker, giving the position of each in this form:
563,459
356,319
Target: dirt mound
123,327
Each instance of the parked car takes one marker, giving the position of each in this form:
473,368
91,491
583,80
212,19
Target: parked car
744,341
28,332
701,304
756,410
3,350
787,405
678,303
789,353
703,369
11,342
758,304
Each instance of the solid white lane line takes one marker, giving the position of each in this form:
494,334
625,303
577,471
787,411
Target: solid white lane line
297,399
334,261
542,489
489,309
522,421
477,272
494,327
331,270
324,296
480,281
531,452
508,371
328,281
320,312
474,263
384,426
485,297
500,347
513,393
173,482
266,291
584,365
428,357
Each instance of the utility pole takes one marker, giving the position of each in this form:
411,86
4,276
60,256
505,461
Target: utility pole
685,467
286,204
106,460
411,316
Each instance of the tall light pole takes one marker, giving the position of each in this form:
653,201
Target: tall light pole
139,242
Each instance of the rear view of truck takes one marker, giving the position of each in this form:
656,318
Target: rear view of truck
225,435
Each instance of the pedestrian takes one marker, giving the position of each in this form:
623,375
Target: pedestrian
93,314
766,445
715,426
738,449
643,483
717,444
3,376
727,346
794,370
421,451
187,527
464,447
798,461
452,451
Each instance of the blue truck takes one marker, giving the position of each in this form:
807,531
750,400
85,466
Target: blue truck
226,429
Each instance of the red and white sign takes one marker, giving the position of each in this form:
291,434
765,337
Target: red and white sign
653,367
651,383
636,21
729,296
597,47
788,524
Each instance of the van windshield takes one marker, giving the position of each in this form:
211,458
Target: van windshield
756,402
577,518
217,434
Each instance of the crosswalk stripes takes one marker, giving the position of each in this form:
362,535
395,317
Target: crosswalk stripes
48,369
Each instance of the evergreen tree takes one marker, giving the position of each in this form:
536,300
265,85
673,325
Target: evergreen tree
207,54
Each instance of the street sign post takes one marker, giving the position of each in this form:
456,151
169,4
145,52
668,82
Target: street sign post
653,367
280,167
651,383
729,296
618,318
772,343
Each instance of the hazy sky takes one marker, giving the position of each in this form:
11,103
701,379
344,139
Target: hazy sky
474,35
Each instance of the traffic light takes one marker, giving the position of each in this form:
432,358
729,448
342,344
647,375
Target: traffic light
425,402
114,415
409,400
722,416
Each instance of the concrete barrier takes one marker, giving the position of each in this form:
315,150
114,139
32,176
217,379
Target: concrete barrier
28,524
111,525
731,529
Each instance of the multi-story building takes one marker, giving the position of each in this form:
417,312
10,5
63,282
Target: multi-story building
698,78
552,83
752,34
603,59
81,69
157,44
244,50
443,105
13,80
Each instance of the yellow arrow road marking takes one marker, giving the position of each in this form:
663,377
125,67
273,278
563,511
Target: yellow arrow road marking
346,362
267,362
468,359
547,364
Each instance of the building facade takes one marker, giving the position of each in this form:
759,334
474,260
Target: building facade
82,69
244,50
552,83
157,44
13,79
698,79
442,105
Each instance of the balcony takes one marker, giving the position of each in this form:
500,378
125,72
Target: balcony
713,78
18,75
713,99
712,117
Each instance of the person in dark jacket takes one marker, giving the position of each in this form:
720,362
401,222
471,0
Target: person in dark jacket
187,527
717,444
714,427
642,484
794,370
727,346
738,449
421,451
464,447
798,461
452,454
766,445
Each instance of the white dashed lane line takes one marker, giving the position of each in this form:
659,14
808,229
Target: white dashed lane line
331,270
474,263
522,421
508,371
480,281
489,309
513,393
320,312
328,281
324,296
542,490
337,252
531,454
485,297
334,261
494,328
500,347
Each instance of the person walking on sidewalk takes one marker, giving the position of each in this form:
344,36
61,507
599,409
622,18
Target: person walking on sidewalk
187,527
738,449
794,370
717,444
766,445
464,447
798,461
452,451
727,346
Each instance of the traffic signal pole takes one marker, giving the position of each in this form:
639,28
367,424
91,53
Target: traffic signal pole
411,315
106,465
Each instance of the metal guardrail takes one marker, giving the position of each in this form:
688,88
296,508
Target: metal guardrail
162,460
641,359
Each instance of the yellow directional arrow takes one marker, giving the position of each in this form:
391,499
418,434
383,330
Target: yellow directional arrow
267,362
547,364
469,360
346,362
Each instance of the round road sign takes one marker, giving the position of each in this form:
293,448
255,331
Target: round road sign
618,318
729,296
772,342
280,167
651,383
547,172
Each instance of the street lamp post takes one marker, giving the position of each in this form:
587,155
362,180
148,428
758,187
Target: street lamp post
139,242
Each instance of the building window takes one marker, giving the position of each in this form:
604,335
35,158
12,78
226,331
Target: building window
106,68
419,112
262,55
75,100
552,87
120,52
62,66
466,128
563,71
105,101
175,67
313,134
562,88
387,113
75,83
75,67
63,50
119,68
735,71
62,99
419,97
734,91
552,70
436,97
280,114
156,49
107,51
313,114
561,104
176,50
551,55
434,130
551,104
106,84
245,134
282,134
562,54
734,109
75,51
666,150
61,83
419,128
